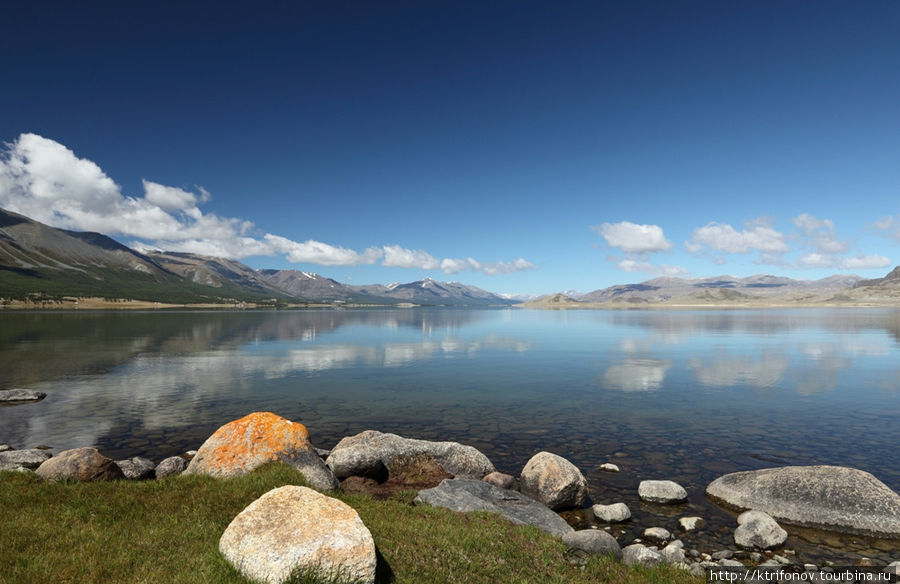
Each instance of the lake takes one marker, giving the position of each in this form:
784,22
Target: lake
664,394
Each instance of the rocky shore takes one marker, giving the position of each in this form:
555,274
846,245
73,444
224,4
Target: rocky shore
459,477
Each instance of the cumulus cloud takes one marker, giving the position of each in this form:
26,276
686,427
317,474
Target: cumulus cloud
44,180
820,233
633,238
722,237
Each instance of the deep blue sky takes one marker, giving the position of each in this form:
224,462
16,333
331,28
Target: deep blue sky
563,145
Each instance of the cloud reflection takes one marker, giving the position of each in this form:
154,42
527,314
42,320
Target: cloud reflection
636,375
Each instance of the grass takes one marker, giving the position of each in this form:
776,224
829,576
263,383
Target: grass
168,531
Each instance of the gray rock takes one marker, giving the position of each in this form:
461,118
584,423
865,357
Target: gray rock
30,459
294,527
554,481
757,530
826,497
20,395
640,555
609,467
5,447
723,555
314,470
80,464
893,568
667,492
466,495
137,468
673,553
593,542
691,523
172,466
657,534
502,480
370,453
615,513
725,563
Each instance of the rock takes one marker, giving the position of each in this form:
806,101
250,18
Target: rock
369,453
608,467
673,553
405,474
292,528
593,542
554,481
757,530
824,497
137,468
5,447
80,464
893,568
723,555
657,534
502,480
640,555
691,523
465,495
29,459
615,513
243,445
172,466
20,395
667,492
725,563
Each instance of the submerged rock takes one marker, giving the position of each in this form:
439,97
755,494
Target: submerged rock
826,497
80,464
554,481
20,395
370,453
295,527
465,495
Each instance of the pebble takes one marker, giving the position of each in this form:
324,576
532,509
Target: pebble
609,467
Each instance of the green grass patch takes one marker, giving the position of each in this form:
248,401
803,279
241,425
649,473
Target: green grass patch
168,531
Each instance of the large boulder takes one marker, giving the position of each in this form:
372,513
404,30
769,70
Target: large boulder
80,464
465,495
30,459
554,481
665,492
295,528
242,445
757,530
826,497
370,453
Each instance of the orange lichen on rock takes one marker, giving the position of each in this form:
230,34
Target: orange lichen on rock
240,446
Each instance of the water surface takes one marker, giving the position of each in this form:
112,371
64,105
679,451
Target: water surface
681,395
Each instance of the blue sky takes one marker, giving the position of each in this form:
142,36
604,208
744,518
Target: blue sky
523,147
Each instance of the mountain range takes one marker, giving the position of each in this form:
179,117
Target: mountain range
39,261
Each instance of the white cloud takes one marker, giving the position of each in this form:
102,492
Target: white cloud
44,180
633,238
889,226
633,265
722,237
820,233
868,262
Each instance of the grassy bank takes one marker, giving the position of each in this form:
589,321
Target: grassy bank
168,531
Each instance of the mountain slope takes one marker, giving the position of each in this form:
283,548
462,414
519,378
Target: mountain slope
36,259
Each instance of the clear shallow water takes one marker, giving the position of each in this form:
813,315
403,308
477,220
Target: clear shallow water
682,395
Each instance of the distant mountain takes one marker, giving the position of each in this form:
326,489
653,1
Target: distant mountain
892,280
36,259
720,288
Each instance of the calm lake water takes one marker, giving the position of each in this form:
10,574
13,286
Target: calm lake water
681,395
